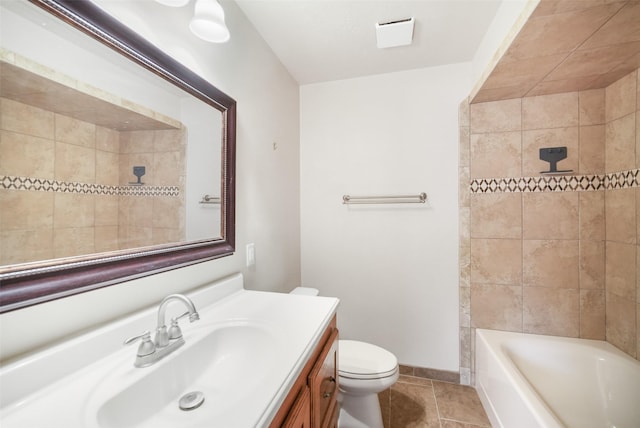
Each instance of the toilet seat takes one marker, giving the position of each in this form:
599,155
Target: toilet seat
360,360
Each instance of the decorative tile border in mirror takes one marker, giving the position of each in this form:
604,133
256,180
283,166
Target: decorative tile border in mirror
44,185
558,183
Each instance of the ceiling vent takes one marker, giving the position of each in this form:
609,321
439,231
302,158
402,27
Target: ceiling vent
395,33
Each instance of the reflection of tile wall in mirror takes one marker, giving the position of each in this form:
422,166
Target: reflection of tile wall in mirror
65,171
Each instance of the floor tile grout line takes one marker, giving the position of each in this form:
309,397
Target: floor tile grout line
435,399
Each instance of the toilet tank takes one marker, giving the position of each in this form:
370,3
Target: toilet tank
305,291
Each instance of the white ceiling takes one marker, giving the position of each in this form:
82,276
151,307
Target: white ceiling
323,40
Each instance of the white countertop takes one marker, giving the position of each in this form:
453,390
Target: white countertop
68,384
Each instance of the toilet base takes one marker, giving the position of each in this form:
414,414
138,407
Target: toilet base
361,411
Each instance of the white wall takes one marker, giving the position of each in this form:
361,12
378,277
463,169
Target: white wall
267,192
395,268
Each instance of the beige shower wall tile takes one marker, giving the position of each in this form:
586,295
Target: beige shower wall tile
550,111
106,238
549,87
25,119
592,265
638,138
463,113
620,270
592,106
26,156
464,248
637,276
496,116
547,34
592,149
621,97
638,331
107,168
464,219
638,216
106,211
621,323
465,347
21,246
592,314
73,241
592,215
496,307
496,261
620,208
464,192
107,140
75,163
496,215
167,236
496,155
533,141
73,210
621,144
136,211
488,95
464,146
551,311
465,307
167,212
168,168
137,142
26,210
551,263
74,131
134,236
550,215
168,140
621,27
522,73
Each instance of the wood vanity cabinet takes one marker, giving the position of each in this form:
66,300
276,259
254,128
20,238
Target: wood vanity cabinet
312,401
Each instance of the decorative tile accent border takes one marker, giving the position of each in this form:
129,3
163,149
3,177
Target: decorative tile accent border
558,183
44,185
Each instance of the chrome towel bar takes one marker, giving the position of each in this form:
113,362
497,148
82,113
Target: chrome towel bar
386,199
206,199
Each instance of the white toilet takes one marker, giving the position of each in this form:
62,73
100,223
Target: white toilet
364,370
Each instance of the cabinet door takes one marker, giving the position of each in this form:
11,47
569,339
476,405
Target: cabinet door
323,381
300,414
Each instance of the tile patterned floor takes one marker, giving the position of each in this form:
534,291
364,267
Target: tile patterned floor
415,402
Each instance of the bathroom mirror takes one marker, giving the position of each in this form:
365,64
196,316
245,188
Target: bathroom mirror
116,202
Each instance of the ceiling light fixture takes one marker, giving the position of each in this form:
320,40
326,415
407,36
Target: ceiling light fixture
208,22
208,19
173,3
395,33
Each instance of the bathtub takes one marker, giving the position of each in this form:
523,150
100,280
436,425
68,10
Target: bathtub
527,380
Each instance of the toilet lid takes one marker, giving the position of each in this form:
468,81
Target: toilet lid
360,360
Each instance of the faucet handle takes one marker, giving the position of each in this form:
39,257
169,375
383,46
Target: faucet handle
174,331
147,347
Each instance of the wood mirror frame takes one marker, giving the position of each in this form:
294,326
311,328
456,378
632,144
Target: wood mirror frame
46,281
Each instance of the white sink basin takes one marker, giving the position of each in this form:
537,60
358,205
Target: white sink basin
221,364
243,355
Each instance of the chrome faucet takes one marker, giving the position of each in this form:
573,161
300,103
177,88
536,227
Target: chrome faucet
166,340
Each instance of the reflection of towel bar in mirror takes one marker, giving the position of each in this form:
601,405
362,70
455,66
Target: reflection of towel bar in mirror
206,199
386,199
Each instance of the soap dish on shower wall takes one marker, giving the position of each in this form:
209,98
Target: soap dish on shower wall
553,155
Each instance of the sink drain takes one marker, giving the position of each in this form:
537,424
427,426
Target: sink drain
191,400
